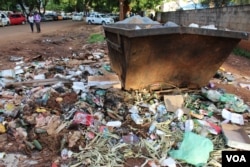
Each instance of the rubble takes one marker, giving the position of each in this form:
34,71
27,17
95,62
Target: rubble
75,108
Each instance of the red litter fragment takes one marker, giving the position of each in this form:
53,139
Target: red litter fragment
83,118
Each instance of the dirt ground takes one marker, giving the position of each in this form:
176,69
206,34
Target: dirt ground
67,39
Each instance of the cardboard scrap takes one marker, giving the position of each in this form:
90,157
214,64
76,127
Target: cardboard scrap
245,85
75,62
173,102
236,136
104,81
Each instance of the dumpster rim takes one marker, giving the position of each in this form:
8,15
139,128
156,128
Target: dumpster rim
114,28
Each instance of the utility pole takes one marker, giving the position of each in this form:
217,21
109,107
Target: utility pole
121,4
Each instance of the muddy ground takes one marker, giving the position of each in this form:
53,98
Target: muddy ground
65,41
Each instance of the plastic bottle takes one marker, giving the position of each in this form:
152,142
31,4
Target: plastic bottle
152,127
179,113
189,125
136,118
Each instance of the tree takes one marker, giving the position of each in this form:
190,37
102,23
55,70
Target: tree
222,3
141,5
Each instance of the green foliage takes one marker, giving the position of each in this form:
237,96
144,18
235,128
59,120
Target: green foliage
94,38
141,5
221,3
101,5
241,52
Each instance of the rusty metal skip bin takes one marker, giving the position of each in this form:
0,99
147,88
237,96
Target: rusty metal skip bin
185,57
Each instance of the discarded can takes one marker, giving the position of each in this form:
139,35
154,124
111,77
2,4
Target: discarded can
83,118
136,118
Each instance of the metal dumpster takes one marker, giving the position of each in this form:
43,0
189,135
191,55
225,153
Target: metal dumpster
183,57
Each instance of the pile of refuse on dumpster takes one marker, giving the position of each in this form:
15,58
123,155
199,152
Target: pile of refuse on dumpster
75,108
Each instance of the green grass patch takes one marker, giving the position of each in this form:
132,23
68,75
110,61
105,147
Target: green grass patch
241,52
94,38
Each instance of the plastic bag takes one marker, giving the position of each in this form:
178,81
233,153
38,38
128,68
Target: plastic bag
233,102
194,149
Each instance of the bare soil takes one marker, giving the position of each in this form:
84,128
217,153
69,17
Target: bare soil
66,38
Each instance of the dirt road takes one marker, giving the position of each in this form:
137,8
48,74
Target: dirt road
22,33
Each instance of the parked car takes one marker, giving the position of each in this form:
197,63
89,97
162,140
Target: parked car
54,16
99,19
46,18
59,17
4,20
67,16
77,17
17,18
114,16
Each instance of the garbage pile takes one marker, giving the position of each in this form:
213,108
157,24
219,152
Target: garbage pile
75,108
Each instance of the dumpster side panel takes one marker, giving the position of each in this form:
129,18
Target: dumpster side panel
180,57
116,54
182,60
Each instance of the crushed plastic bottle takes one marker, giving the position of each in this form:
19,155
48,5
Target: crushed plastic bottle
211,94
161,110
136,118
152,128
179,113
134,110
189,125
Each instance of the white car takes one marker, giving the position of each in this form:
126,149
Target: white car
114,16
77,17
4,19
99,19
